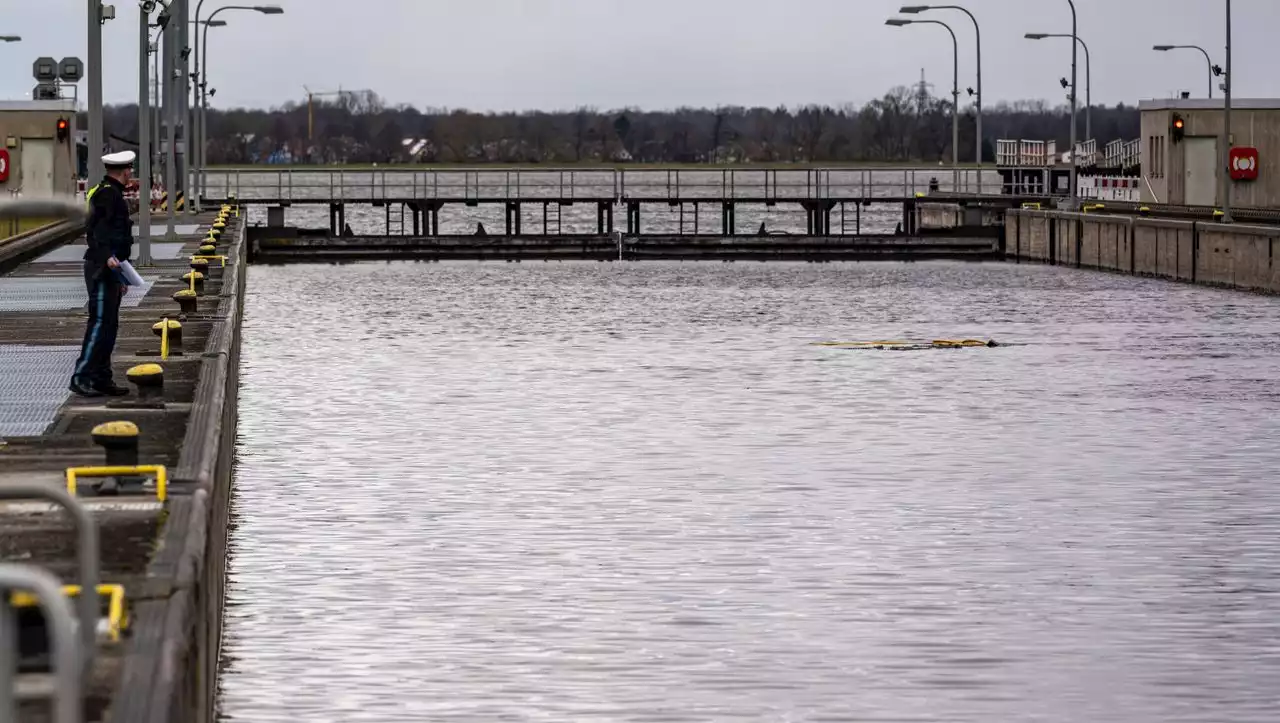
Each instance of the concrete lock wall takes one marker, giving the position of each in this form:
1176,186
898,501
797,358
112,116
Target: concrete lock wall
1028,235
1164,248
1242,257
37,159
942,216
1228,255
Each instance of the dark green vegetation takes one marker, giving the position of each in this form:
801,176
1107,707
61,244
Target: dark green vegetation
905,125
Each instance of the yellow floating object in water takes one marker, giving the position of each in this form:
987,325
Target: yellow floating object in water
906,345
868,344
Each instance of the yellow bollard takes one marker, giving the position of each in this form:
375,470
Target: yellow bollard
170,333
149,379
186,301
119,440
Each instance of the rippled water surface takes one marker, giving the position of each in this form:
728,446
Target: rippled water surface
634,492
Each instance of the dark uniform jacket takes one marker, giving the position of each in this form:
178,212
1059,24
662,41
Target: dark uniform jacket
109,231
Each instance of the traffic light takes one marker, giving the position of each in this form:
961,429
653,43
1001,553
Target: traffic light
64,129
1177,128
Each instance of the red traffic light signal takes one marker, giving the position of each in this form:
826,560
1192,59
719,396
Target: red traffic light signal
64,129
1177,128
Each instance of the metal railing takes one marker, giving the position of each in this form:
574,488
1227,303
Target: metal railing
72,658
66,692
1042,154
617,185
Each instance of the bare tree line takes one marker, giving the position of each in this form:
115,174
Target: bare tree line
903,125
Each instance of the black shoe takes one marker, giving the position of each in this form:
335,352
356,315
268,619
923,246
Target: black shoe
84,390
111,390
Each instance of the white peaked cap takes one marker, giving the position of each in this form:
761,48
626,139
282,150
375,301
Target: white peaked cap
123,158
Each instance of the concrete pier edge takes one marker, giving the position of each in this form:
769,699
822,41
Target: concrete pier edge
171,668
1236,256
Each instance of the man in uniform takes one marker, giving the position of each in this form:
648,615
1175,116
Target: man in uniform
109,234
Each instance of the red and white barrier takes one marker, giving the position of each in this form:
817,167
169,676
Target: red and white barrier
1111,188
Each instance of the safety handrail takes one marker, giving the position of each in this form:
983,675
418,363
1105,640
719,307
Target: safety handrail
158,470
88,559
66,694
618,184
116,620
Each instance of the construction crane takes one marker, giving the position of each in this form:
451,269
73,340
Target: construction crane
312,95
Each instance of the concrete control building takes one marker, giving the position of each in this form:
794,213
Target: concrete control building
1187,172
37,160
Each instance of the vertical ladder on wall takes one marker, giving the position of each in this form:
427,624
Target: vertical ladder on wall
395,222
551,221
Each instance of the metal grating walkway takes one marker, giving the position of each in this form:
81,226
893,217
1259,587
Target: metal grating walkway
56,293
160,228
33,386
75,252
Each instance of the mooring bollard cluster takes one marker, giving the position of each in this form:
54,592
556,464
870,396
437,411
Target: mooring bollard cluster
189,298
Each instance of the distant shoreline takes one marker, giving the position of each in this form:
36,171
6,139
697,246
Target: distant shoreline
597,166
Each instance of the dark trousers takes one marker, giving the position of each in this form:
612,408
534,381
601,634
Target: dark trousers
93,368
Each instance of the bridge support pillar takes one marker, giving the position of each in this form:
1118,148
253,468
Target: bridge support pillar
337,218
818,217
513,218
431,217
728,218
633,218
415,209
604,217
910,221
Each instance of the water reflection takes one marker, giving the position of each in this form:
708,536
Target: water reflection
632,492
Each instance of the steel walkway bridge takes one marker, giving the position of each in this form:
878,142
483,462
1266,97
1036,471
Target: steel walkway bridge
422,193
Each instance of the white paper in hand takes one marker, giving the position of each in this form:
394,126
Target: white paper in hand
131,277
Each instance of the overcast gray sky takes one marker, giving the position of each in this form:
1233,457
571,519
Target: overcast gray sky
551,54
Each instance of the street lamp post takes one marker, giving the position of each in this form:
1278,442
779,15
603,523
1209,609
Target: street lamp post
1225,153
183,93
144,138
154,50
1088,78
955,88
1075,164
94,70
1207,59
977,31
170,89
197,117
200,36
202,75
